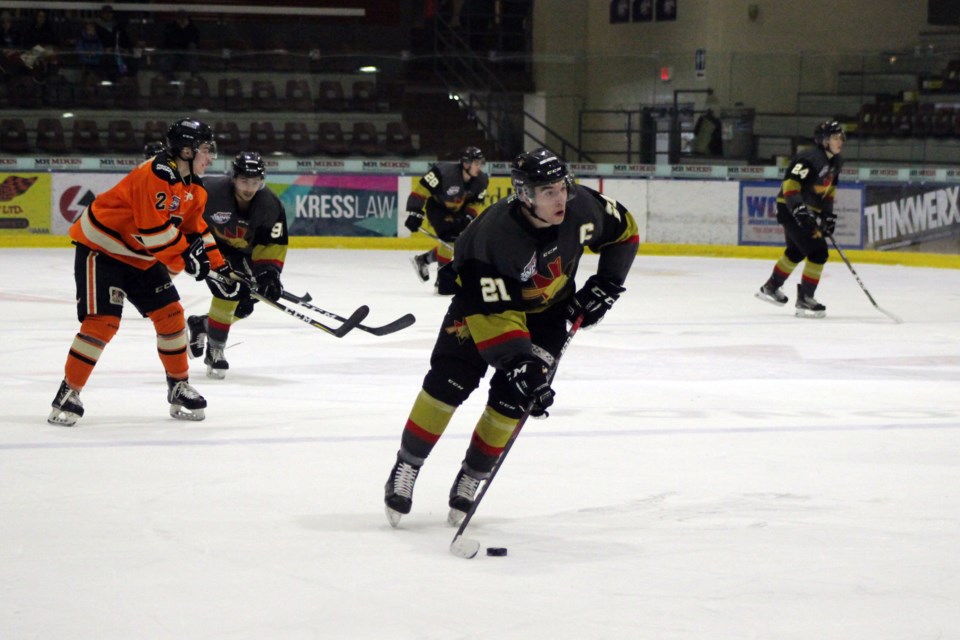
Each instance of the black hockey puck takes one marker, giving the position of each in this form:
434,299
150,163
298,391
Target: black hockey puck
496,551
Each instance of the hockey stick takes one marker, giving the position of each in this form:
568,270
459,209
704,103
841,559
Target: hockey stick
467,547
338,332
436,237
860,282
391,327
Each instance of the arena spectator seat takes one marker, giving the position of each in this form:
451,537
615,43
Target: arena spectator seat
943,122
13,136
86,137
923,120
24,93
227,136
363,96
364,140
263,138
331,96
903,120
154,130
230,95
296,139
121,138
263,96
399,140
298,96
50,138
330,139
164,93
196,93
126,94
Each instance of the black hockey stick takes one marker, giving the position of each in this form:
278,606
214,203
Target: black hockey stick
338,332
860,282
391,327
467,547
436,237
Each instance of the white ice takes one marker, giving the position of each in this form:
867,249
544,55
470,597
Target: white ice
714,468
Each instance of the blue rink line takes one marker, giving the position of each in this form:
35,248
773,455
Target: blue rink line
668,431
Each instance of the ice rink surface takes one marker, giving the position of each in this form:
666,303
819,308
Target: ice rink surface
713,468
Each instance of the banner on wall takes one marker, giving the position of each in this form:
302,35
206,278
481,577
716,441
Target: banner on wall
72,192
758,215
898,216
338,205
24,203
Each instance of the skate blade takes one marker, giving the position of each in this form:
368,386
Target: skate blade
762,296
803,313
416,267
182,413
63,418
393,517
216,374
455,517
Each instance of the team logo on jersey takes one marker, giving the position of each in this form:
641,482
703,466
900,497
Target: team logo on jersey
117,296
825,170
454,190
222,217
530,269
546,285
174,203
460,330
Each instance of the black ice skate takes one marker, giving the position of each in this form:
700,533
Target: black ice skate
420,265
197,335
771,294
398,492
808,307
67,408
185,402
463,492
217,364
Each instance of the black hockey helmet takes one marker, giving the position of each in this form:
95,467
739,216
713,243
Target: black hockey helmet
189,133
469,154
248,164
153,148
826,129
537,168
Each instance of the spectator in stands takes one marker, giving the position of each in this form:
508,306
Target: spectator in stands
9,36
90,50
181,39
40,32
707,135
113,36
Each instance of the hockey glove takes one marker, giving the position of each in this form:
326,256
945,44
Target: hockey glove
528,374
268,282
195,260
804,218
221,285
413,221
828,223
593,300
245,308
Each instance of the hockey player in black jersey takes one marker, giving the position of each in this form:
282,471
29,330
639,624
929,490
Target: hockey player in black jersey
250,226
515,292
805,210
449,196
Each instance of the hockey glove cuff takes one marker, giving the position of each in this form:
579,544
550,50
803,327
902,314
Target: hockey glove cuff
195,260
828,223
413,221
528,375
222,285
593,300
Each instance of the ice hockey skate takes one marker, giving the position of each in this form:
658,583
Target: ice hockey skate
67,408
185,402
808,307
217,364
463,493
420,265
398,492
197,335
771,294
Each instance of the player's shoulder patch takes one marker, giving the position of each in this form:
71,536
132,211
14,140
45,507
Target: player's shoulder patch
165,170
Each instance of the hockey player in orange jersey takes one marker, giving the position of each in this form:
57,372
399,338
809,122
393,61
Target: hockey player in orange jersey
129,242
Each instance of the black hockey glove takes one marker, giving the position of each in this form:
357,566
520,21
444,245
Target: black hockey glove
828,223
593,300
245,308
413,221
805,218
221,285
528,374
195,260
268,282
